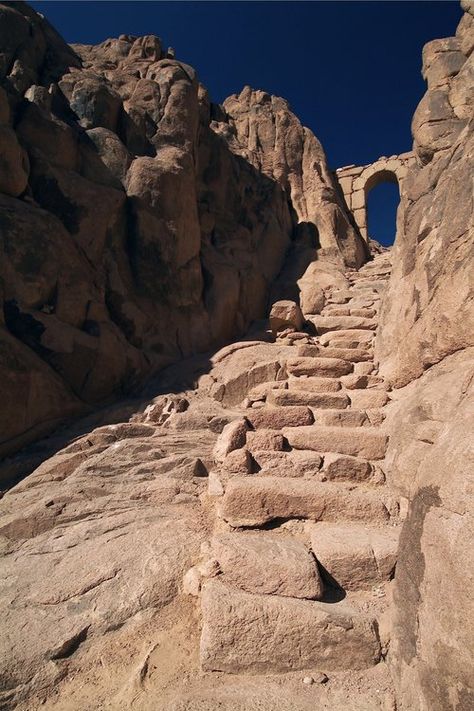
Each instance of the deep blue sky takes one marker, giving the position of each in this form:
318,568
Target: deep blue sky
350,70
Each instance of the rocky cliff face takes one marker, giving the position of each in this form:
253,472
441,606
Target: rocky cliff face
425,344
138,225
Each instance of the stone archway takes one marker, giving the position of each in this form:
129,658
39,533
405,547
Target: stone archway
357,181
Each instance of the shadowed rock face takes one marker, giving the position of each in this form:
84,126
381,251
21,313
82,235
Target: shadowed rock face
425,344
137,223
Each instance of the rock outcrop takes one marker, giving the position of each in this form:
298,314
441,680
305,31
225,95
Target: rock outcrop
137,228
425,343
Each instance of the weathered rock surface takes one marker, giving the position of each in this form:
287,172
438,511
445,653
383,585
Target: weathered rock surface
137,227
355,556
430,461
253,501
286,314
367,443
262,632
140,224
268,565
424,347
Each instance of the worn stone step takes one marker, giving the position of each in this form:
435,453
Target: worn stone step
335,310
340,296
357,381
327,385
332,367
342,467
367,399
371,283
243,632
363,312
255,500
275,418
287,464
360,335
284,398
355,556
363,303
267,564
365,442
354,355
364,368
341,418
324,324
265,439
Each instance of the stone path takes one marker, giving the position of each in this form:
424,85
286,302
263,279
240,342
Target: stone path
306,531
254,483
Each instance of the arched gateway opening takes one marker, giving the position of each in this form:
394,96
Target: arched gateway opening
357,182
382,198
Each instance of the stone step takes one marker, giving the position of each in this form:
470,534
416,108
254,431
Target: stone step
355,381
292,464
285,398
365,442
324,324
359,303
335,310
243,632
275,418
367,399
328,385
355,556
363,312
256,500
366,282
364,368
341,418
360,335
339,296
342,467
364,291
267,564
331,367
354,355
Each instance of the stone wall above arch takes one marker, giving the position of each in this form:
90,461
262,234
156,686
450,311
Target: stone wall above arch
356,182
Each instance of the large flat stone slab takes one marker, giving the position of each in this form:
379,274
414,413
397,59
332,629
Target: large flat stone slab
332,367
264,633
353,334
275,418
366,442
284,398
367,399
341,467
319,385
324,324
356,556
268,564
287,464
255,500
341,418
355,355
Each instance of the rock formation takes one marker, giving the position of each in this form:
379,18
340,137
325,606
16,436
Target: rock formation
138,224
425,343
283,523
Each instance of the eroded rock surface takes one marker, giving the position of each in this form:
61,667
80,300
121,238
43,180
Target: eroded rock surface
425,344
136,226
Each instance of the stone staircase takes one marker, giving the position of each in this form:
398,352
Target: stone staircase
297,573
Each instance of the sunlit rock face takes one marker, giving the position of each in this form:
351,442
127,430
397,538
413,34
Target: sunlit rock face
424,345
137,227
